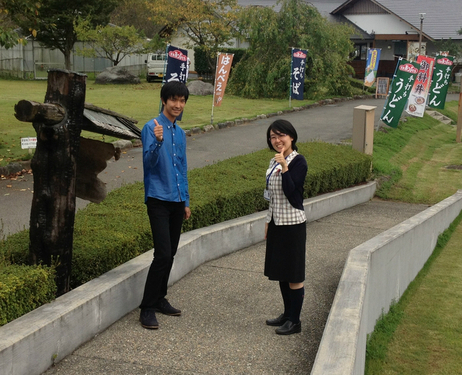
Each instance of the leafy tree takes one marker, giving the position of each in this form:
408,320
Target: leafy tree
8,36
114,42
208,24
454,48
135,13
265,70
55,21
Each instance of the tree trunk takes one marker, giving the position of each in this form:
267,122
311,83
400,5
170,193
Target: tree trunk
67,60
54,169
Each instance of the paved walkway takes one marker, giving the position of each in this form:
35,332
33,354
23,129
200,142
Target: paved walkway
330,123
225,303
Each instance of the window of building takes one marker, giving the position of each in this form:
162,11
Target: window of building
360,52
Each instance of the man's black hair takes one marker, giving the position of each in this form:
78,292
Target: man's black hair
282,127
172,89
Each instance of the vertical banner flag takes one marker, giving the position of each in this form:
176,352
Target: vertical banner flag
177,60
297,77
224,62
440,81
419,92
177,69
400,88
372,64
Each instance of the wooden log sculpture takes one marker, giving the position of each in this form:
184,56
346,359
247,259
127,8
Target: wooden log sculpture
58,126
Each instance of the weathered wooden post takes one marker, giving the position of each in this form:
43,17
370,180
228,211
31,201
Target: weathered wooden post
58,126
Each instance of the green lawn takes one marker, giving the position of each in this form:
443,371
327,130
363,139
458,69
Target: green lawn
422,332
140,102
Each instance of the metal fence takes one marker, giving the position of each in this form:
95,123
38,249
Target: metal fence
32,61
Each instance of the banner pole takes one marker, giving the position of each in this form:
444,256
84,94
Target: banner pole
214,87
365,71
163,75
459,116
290,84
391,85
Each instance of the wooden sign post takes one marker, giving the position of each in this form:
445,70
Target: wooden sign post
57,123
66,166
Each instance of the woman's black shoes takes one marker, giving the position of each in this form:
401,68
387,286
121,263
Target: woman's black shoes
289,328
277,322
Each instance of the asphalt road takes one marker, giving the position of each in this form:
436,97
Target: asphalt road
329,123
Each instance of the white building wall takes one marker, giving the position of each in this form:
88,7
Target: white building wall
379,23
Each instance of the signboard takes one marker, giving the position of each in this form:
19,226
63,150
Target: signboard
29,142
413,50
382,86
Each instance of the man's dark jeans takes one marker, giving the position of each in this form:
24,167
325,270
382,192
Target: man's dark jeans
166,219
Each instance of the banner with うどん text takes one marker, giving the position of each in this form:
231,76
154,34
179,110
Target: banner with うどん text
297,77
224,61
419,92
177,64
372,64
399,92
440,81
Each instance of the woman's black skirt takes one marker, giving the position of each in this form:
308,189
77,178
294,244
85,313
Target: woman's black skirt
285,252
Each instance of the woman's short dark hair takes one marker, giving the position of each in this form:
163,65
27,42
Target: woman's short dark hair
172,89
282,127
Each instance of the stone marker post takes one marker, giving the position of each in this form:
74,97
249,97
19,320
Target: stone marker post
363,128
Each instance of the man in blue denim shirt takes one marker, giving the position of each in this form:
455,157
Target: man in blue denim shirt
166,197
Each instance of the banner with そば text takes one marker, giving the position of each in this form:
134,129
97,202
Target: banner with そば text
297,77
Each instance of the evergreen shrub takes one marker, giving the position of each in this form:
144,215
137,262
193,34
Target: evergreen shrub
201,64
23,289
111,233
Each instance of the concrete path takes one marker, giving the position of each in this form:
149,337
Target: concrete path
225,303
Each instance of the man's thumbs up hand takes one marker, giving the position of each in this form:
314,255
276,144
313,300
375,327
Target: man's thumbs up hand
158,131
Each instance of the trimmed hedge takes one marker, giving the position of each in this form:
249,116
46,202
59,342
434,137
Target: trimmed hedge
112,232
23,289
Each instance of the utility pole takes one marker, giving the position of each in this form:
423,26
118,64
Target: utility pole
422,16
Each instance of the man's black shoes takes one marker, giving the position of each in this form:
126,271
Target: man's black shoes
279,321
164,307
289,328
148,319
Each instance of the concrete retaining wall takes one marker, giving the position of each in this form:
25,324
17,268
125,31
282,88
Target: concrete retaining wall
30,344
377,273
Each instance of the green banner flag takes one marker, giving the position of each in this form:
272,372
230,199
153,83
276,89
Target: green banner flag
399,92
440,81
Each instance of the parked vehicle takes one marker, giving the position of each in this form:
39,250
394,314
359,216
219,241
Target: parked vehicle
155,65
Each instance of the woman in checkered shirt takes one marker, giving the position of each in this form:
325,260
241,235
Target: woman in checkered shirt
285,229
